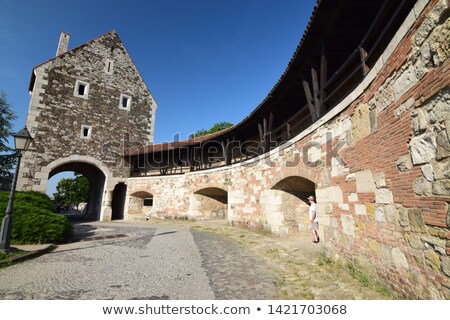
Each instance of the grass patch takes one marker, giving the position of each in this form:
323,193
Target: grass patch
383,290
280,281
10,255
362,278
324,260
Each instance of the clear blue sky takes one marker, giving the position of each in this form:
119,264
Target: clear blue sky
204,61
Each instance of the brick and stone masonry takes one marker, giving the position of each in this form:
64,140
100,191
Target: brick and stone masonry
383,183
378,162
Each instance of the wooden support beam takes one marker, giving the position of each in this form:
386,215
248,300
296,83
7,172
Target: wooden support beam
270,122
363,56
228,154
309,100
315,85
261,132
323,81
288,129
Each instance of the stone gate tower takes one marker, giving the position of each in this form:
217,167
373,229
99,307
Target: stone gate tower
87,105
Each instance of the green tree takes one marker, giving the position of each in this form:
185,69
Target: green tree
6,117
217,127
71,191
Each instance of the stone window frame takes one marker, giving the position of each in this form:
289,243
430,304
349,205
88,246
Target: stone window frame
109,66
86,89
83,128
122,96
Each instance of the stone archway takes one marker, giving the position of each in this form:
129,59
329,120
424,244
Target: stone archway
285,207
209,203
97,181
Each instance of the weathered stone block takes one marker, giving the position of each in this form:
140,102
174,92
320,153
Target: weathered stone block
420,122
441,187
379,179
445,266
383,97
353,197
360,122
384,196
370,210
391,214
439,40
404,82
427,171
443,145
422,148
437,243
364,181
360,209
414,241
422,187
325,178
399,258
416,220
379,214
386,254
447,118
348,225
447,219
375,247
441,169
404,163
433,260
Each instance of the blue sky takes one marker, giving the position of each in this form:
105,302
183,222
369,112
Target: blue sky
203,61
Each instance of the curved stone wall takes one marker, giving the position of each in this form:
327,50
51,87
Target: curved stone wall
379,162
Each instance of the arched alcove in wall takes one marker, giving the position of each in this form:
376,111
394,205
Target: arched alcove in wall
140,203
285,206
209,203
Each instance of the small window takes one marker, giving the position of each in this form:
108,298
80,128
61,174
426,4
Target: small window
109,66
148,202
86,132
125,102
81,89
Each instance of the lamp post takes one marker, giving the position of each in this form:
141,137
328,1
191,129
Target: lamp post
22,140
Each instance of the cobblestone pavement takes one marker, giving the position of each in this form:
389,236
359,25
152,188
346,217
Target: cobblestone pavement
168,259
141,261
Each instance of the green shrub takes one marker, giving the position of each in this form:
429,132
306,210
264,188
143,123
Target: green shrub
35,219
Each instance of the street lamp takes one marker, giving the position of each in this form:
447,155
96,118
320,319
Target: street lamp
22,140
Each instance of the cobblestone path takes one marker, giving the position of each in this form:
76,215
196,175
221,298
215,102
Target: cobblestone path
137,261
180,260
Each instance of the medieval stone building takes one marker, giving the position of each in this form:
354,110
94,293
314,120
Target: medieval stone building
360,119
87,105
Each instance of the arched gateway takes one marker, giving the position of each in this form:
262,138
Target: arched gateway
87,105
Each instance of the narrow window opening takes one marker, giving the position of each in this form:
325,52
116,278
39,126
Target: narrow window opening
124,102
81,89
86,132
109,67
148,202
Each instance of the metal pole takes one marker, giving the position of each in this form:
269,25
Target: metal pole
5,233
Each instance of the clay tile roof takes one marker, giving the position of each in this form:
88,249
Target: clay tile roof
153,148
